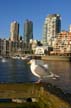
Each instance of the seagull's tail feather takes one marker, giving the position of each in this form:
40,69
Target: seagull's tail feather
52,75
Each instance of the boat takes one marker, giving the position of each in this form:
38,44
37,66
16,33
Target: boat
15,57
3,60
25,58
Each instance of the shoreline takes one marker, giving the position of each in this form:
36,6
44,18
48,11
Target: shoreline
46,57
56,58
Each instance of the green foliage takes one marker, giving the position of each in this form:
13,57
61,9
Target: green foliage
17,105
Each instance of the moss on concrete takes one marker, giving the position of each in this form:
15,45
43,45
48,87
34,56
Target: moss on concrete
45,98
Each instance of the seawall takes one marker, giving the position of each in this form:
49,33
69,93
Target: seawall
56,58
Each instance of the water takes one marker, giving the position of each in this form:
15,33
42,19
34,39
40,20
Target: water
63,69
14,71
18,71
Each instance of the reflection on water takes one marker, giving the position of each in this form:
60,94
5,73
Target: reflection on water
13,71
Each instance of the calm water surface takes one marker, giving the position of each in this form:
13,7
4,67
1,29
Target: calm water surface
63,69
17,71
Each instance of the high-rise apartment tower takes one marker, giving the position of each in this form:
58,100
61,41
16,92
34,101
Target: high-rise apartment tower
14,31
52,26
28,31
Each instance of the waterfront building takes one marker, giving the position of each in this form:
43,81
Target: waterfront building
14,31
28,31
1,46
41,50
62,45
33,44
14,46
52,26
70,28
5,48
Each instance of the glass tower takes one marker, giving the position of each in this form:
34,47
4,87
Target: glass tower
28,31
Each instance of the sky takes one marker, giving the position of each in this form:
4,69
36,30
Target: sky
34,10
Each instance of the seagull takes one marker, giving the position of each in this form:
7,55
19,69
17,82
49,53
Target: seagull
41,70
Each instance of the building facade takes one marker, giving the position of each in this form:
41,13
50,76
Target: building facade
52,26
70,28
62,45
5,47
14,31
28,31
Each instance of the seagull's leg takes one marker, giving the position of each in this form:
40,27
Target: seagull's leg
39,80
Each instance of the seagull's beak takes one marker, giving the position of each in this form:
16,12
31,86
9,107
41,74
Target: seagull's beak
29,62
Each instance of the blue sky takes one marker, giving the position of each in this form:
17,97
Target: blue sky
35,10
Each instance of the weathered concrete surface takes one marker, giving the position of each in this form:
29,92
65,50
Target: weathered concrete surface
32,90
18,90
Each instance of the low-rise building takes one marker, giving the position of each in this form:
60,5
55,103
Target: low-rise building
4,47
41,50
62,44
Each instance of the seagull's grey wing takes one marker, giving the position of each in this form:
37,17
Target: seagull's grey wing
40,70
45,66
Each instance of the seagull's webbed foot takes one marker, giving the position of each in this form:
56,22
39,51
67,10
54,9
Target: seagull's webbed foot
38,81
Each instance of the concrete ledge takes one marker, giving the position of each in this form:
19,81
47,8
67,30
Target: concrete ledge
19,90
